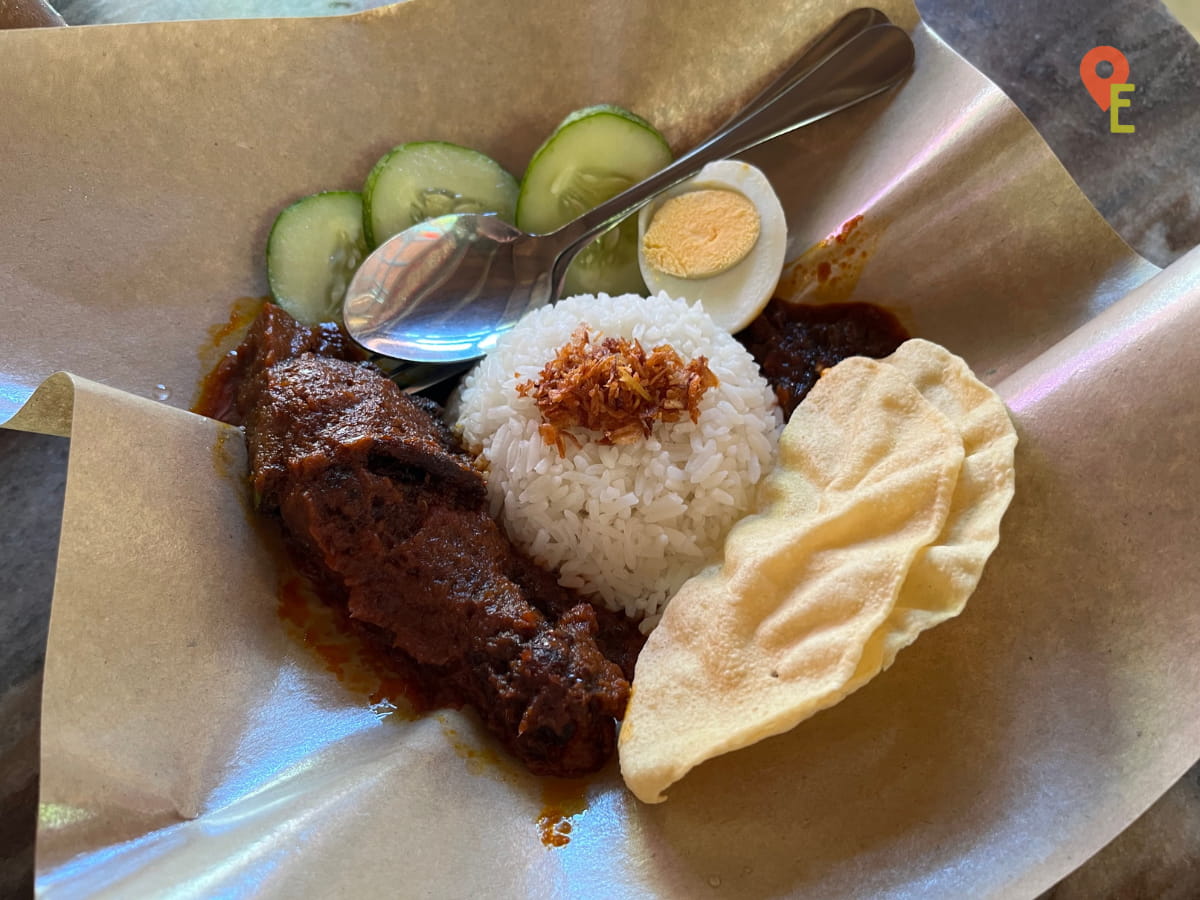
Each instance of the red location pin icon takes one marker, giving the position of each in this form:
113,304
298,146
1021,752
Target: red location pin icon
1098,86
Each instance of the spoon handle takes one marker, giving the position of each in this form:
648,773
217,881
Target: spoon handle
849,25
866,64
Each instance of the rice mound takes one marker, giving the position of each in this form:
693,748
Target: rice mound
626,525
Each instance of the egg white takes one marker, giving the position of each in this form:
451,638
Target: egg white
736,296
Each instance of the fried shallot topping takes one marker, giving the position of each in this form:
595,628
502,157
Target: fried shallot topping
615,387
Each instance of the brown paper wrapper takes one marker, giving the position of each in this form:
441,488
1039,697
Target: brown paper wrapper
188,739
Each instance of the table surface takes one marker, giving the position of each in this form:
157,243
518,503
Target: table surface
1147,185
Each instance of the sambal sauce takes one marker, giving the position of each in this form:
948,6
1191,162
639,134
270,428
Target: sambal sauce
794,342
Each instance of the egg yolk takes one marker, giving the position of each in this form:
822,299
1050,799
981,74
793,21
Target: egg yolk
701,233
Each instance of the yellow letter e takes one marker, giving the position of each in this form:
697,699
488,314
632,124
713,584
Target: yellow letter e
1116,103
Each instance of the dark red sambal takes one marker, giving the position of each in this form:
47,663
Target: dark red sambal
794,342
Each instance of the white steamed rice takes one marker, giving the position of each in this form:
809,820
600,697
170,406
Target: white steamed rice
624,524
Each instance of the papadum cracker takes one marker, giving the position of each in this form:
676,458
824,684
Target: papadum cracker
945,574
886,501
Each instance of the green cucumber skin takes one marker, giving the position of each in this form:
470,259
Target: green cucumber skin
482,183
317,242
608,109
532,212
314,247
612,149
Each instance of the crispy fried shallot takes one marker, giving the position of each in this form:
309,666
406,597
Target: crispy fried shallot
615,387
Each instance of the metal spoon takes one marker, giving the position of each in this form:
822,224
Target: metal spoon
415,377
445,290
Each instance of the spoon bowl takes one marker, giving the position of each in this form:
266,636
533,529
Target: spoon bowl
436,292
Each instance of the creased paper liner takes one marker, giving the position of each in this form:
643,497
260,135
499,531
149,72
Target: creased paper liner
187,745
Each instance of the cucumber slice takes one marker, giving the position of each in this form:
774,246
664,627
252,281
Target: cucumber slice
594,154
418,181
315,246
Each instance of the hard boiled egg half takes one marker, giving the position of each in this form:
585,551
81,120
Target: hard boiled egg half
720,238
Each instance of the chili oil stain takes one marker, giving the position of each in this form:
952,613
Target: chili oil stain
222,338
328,633
562,800
828,271
482,759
